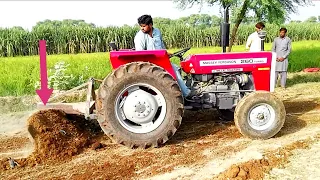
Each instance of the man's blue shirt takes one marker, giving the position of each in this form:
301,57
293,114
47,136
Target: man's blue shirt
144,41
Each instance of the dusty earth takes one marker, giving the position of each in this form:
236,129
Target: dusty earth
204,147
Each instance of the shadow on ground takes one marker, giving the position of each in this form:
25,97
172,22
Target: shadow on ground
294,110
197,125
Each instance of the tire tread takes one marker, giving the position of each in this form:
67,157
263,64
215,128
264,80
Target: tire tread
151,69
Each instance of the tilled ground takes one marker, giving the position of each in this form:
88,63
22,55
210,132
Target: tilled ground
203,148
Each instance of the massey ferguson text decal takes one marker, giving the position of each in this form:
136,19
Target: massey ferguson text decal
233,61
228,70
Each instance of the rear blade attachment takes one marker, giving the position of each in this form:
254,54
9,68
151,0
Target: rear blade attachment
81,108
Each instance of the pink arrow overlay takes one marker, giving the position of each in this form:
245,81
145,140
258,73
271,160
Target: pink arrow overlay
44,93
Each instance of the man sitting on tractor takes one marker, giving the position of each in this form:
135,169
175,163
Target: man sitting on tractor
150,38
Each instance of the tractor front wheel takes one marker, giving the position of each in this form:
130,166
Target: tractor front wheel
260,115
140,105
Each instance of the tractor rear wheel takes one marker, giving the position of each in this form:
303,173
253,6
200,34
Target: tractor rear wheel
260,115
139,105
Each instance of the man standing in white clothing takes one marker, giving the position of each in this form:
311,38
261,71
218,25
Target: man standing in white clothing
254,42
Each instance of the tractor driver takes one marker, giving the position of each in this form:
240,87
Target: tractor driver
150,38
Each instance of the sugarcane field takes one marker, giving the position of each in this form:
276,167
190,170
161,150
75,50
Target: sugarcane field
231,92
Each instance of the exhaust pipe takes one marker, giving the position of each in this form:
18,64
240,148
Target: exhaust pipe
262,35
225,29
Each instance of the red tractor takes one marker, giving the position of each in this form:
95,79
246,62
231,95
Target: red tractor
140,103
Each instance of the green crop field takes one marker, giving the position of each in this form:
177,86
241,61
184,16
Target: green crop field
65,40
19,75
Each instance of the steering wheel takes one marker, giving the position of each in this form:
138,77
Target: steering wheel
180,53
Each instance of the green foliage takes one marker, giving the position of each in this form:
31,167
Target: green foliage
73,40
272,11
59,79
312,19
63,23
20,74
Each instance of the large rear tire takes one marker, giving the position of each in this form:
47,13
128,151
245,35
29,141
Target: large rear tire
139,105
260,115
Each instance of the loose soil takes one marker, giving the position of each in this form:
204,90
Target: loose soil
57,137
204,147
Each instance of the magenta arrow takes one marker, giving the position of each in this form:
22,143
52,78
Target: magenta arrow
44,93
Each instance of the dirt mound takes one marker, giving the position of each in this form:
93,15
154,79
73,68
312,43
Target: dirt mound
256,169
57,137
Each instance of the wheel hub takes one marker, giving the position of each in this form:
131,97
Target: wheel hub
142,110
140,107
261,116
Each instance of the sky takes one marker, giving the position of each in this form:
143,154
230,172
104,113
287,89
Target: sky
104,13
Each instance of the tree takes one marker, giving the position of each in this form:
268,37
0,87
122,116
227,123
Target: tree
162,21
312,19
215,20
19,28
200,20
63,23
195,20
272,11
295,21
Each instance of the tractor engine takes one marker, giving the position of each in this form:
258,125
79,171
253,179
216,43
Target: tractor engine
217,90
